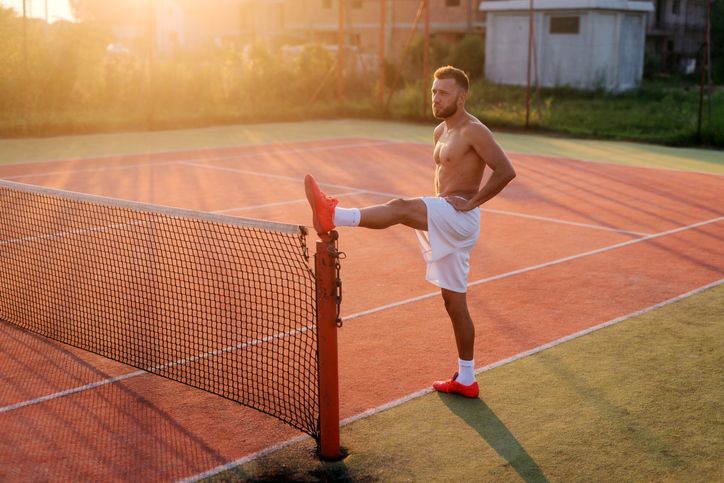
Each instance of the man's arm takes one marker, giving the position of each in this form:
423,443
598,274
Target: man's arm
481,140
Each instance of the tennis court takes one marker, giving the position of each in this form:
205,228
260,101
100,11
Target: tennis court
570,245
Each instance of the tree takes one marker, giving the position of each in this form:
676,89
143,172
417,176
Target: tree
717,40
109,11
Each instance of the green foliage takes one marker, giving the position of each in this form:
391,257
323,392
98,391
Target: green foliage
439,55
656,112
407,103
469,55
70,83
717,41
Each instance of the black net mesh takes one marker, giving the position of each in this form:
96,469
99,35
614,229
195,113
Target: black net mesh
223,304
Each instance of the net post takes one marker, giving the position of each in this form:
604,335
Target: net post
325,271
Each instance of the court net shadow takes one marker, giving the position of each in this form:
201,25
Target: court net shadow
482,419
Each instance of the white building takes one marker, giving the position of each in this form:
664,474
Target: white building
586,44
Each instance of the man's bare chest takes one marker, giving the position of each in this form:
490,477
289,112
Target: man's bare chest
450,149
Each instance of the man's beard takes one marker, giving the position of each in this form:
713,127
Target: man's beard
449,111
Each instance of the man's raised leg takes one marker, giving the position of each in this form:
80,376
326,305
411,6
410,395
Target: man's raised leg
411,212
326,215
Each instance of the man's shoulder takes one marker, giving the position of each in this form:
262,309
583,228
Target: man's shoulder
475,129
439,129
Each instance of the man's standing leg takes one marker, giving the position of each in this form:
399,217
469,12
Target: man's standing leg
456,305
464,383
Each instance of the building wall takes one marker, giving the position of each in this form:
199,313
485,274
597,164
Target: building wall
675,31
506,48
631,53
604,51
604,41
564,58
311,21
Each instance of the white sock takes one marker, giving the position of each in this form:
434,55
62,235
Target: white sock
346,217
466,372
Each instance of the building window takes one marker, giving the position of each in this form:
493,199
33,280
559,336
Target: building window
565,25
326,3
452,3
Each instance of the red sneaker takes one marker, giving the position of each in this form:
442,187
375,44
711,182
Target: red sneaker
453,387
322,206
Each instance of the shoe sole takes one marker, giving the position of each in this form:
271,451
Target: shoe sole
309,190
472,396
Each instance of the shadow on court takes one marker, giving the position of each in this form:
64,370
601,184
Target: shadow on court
482,419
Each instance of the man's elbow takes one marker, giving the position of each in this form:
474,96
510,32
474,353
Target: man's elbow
510,175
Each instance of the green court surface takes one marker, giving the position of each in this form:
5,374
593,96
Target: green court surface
41,149
641,400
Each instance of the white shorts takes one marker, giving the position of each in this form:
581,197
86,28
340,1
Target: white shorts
447,243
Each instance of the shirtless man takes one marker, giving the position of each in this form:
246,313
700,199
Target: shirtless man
448,224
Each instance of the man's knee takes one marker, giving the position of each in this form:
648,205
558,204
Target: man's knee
454,301
407,211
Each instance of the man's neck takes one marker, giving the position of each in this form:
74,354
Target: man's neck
456,119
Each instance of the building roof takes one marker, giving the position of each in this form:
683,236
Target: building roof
516,5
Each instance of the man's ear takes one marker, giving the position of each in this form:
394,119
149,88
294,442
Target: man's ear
462,97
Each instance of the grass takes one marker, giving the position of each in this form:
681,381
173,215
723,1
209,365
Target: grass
656,113
639,401
80,146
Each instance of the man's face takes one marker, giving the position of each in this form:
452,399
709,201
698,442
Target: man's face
446,98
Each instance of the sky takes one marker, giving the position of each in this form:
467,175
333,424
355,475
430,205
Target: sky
57,9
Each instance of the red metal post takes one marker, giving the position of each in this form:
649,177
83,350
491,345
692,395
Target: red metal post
325,270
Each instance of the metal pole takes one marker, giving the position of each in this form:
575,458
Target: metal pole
426,59
709,88
383,16
530,48
398,72
340,52
25,34
150,51
325,272
702,66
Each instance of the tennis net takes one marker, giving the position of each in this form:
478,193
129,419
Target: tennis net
219,303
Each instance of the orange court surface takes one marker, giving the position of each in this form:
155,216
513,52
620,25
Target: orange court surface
569,245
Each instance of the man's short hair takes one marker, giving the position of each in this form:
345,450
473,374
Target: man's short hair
450,72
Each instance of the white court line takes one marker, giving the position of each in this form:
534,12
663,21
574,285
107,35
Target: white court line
152,370
554,157
79,231
183,160
423,392
565,222
245,459
289,178
397,195
491,279
537,267
281,203
87,170
68,392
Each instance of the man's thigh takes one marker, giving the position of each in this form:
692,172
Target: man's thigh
416,214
